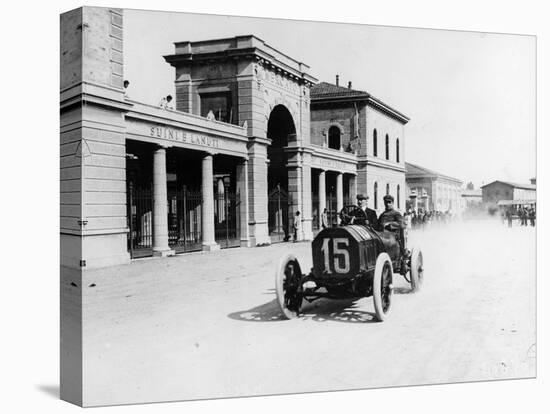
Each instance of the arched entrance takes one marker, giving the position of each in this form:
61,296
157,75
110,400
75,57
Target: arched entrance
281,131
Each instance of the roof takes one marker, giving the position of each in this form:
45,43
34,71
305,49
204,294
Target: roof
325,91
514,185
416,171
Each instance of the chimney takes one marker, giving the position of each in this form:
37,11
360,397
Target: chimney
337,80
349,85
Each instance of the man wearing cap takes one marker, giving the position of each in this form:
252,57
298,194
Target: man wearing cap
390,215
372,220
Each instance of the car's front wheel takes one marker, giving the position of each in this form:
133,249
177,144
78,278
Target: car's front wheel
382,286
288,285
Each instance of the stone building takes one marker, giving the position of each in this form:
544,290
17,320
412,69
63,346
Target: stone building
238,157
430,190
252,140
471,198
366,131
498,190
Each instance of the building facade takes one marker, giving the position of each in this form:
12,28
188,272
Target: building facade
496,191
365,130
430,190
253,140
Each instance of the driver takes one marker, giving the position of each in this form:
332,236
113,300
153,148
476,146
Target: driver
372,220
390,215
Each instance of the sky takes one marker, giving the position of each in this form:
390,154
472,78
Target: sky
470,96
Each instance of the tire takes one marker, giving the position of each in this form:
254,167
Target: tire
417,270
382,286
288,286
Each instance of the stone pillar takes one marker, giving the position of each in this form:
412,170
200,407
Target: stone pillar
221,200
207,189
339,193
242,191
353,188
295,180
322,196
160,205
257,191
306,198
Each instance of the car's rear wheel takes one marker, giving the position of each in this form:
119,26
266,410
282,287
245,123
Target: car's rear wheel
417,270
382,286
288,285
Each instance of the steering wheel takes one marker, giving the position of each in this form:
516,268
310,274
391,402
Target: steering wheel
353,215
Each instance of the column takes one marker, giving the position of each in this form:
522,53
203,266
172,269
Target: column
242,191
160,205
221,200
207,189
322,196
339,193
353,188
257,193
306,201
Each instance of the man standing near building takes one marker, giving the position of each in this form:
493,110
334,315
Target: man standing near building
390,215
296,225
324,219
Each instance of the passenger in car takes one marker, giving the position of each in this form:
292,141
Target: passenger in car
390,215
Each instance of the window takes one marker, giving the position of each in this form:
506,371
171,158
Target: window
398,191
219,104
397,150
375,196
388,189
375,144
387,147
334,137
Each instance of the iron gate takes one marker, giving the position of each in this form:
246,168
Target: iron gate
278,201
226,219
140,220
184,220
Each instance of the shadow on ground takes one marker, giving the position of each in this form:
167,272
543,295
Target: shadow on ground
322,310
403,290
50,389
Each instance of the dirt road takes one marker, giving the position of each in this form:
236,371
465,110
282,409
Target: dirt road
207,325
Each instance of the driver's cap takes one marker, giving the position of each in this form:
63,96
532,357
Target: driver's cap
362,197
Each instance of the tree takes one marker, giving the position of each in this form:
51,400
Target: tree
470,186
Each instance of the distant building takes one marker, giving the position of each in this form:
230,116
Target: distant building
430,190
504,190
471,200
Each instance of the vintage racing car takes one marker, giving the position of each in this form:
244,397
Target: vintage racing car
350,261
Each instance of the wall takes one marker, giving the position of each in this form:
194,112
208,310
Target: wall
384,124
494,192
383,176
339,115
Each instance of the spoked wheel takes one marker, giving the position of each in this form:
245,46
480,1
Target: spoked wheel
382,286
288,284
417,270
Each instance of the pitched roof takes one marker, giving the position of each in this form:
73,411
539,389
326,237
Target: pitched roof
329,90
515,185
324,91
413,170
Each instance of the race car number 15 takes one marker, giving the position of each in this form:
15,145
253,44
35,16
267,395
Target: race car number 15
340,254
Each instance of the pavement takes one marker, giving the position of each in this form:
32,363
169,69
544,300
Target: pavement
207,325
